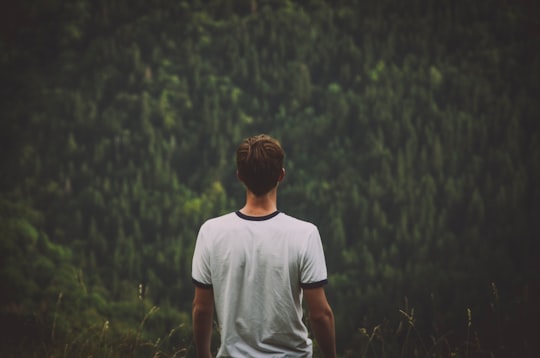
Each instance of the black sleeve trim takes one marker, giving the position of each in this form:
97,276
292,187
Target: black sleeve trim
200,284
314,284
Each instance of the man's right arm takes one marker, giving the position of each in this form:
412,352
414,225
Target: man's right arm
321,318
203,311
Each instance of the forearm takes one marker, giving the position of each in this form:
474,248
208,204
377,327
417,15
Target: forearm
202,331
324,332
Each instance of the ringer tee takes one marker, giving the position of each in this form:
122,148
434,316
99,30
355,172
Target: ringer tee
257,267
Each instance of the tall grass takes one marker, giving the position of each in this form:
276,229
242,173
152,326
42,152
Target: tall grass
98,341
404,339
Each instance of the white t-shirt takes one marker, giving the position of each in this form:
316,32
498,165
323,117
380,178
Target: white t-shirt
257,267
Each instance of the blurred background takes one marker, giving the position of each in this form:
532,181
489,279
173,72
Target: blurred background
412,137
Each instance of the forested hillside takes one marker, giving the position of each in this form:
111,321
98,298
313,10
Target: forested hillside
412,138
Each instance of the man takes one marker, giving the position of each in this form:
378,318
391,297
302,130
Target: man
255,265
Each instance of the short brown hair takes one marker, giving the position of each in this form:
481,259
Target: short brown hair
259,160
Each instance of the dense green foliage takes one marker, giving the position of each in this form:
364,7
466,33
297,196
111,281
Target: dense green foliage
412,141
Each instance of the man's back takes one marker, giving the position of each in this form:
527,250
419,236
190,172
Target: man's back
257,267
253,268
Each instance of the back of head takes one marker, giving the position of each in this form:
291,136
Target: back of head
259,160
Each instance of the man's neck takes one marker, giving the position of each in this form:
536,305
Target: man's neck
260,205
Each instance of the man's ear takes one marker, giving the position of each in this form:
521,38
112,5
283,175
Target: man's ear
238,176
281,176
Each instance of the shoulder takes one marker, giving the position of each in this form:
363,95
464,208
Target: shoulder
294,223
219,221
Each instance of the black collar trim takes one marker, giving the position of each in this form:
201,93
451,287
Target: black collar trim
257,218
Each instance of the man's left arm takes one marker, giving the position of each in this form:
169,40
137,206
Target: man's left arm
202,316
322,320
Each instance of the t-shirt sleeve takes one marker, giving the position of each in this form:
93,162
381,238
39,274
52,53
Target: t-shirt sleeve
312,265
200,267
